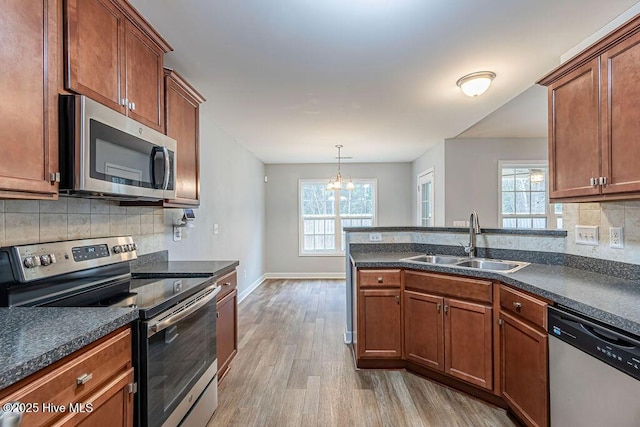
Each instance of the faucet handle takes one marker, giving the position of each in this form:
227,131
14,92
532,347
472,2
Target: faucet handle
467,248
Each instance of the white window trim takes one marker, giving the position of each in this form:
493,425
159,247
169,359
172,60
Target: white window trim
549,214
338,252
419,198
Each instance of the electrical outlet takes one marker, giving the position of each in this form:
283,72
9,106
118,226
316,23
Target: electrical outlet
616,237
177,234
587,235
375,237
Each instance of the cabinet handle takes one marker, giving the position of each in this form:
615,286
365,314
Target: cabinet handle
133,106
83,379
593,181
226,284
500,322
517,305
438,306
397,299
603,180
124,102
379,279
446,308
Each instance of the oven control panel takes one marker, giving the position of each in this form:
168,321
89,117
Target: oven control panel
42,260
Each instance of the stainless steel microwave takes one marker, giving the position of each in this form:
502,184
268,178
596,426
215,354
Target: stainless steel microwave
106,154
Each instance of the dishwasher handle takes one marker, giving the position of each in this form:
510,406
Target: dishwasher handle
606,337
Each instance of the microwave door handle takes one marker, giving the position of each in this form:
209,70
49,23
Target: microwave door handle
167,168
154,152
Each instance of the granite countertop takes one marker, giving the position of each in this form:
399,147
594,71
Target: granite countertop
608,299
33,338
184,269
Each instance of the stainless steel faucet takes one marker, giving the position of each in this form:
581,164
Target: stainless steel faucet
474,228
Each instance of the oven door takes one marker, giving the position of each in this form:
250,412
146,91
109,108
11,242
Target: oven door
178,359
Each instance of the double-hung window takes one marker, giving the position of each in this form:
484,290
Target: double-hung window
523,196
324,213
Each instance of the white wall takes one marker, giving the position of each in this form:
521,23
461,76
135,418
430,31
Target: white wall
432,158
471,181
394,183
232,196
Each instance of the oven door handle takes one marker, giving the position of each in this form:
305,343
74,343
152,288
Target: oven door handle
183,310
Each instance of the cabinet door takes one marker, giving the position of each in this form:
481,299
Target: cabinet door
144,78
379,330
29,119
226,331
468,349
182,124
621,116
423,329
524,368
574,139
94,51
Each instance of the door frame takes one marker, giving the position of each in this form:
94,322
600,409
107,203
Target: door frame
423,178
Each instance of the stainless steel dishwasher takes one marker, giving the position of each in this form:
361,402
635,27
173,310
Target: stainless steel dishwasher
594,373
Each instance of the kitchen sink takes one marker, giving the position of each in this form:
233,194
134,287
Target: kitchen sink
434,259
500,266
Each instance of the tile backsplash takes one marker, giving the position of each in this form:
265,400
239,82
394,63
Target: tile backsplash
32,221
605,215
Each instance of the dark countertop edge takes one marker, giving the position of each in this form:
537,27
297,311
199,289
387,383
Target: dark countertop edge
164,274
605,317
549,233
23,370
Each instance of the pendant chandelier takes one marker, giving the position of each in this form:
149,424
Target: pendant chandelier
335,183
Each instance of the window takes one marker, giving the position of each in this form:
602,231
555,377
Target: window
523,197
324,213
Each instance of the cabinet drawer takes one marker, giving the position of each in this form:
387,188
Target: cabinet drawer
227,284
63,385
453,286
524,306
379,278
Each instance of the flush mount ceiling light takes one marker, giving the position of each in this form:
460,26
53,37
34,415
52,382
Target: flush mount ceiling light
476,84
336,183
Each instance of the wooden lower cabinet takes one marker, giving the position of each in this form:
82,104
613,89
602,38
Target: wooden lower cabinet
424,329
227,323
524,369
468,342
379,324
94,385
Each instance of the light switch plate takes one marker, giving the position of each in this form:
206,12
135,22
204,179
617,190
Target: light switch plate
375,237
587,235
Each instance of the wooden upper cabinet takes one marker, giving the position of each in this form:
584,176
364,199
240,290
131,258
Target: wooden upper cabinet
94,53
182,104
594,120
574,140
144,78
29,105
115,57
621,116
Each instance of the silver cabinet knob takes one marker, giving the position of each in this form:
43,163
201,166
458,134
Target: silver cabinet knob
83,379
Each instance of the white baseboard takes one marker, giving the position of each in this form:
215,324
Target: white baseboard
252,287
347,337
337,275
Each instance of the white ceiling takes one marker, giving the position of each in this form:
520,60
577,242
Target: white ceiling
289,79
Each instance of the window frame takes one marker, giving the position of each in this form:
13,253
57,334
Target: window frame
423,178
550,216
338,252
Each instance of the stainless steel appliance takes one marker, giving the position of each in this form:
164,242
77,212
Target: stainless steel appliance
594,373
106,154
175,337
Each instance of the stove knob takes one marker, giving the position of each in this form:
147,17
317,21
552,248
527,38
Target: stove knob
29,262
45,260
117,249
53,259
135,246
131,248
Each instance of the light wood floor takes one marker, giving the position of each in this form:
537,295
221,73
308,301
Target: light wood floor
293,369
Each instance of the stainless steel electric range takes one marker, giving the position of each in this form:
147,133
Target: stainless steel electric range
174,339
